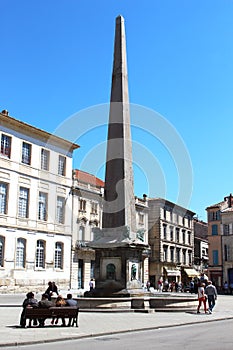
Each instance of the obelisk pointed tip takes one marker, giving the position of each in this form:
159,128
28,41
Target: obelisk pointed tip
120,18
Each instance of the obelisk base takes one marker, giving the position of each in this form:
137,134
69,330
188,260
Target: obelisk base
119,271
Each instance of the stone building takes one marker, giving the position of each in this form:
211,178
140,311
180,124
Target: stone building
220,238
142,215
35,206
201,246
87,214
171,238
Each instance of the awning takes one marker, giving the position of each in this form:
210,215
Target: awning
191,273
172,272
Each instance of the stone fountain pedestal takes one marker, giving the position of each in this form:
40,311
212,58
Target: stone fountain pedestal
119,263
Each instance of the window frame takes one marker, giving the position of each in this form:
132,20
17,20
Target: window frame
184,256
215,257
94,208
60,212
184,236
61,165
20,258
4,198
177,235
165,231
43,206
2,250
214,230
226,229
171,233
82,205
26,153
172,254
44,159
40,254
189,257
189,237
165,253
141,218
178,259
23,213
6,142
59,255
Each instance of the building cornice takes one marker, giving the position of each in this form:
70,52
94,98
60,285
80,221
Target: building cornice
19,126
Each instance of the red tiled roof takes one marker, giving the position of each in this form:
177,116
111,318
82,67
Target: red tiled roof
87,178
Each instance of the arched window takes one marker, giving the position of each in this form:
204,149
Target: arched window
40,254
111,272
2,246
20,252
58,259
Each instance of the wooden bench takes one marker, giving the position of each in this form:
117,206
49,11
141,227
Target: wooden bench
53,312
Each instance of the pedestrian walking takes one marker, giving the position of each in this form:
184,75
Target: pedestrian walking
160,285
191,286
211,293
201,297
148,286
225,287
166,286
91,284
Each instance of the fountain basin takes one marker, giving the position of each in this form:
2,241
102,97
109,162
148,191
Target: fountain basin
158,302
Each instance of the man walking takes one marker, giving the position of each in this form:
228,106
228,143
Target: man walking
211,293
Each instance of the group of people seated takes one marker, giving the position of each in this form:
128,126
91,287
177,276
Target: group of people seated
46,302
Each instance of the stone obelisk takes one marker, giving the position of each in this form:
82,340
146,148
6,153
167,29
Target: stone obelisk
119,201
119,253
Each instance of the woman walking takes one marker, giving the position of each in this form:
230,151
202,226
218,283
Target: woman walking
201,297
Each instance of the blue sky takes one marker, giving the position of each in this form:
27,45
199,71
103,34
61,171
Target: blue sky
56,61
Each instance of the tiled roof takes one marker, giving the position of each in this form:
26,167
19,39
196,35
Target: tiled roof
87,178
227,210
217,205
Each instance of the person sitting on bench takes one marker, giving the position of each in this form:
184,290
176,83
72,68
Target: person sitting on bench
44,303
70,302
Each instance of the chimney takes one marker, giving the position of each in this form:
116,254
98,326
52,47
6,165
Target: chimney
5,112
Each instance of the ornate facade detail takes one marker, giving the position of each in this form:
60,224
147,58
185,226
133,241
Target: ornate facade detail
140,234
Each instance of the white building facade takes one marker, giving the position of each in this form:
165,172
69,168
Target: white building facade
35,206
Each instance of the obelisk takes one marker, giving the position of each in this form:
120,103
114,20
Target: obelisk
118,251
119,200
